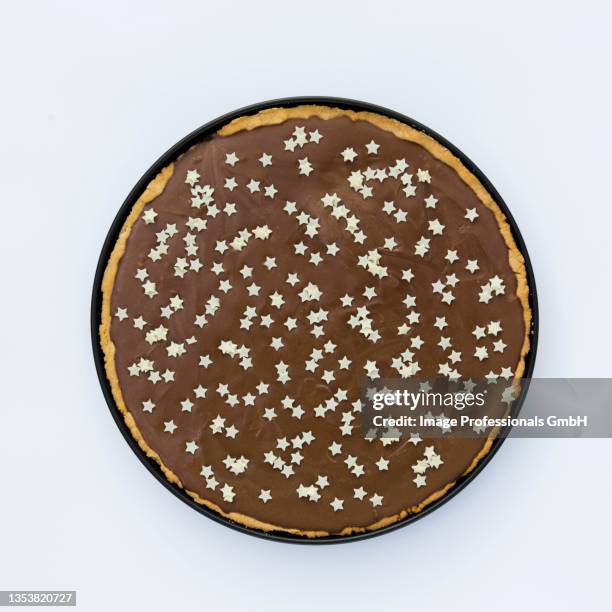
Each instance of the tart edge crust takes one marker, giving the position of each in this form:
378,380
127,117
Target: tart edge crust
275,116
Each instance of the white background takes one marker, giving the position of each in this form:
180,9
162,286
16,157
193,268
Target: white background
92,93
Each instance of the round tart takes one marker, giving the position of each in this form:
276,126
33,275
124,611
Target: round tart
272,269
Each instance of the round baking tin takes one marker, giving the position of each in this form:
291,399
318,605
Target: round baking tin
113,233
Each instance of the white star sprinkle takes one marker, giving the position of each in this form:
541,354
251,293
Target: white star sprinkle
471,214
337,504
265,160
305,167
265,495
191,447
372,148
231,159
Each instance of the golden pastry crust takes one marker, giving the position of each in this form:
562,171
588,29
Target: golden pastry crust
275,116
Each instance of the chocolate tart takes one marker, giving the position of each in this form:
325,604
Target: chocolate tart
269,269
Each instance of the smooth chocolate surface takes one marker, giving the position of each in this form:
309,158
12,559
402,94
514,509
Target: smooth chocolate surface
238,336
